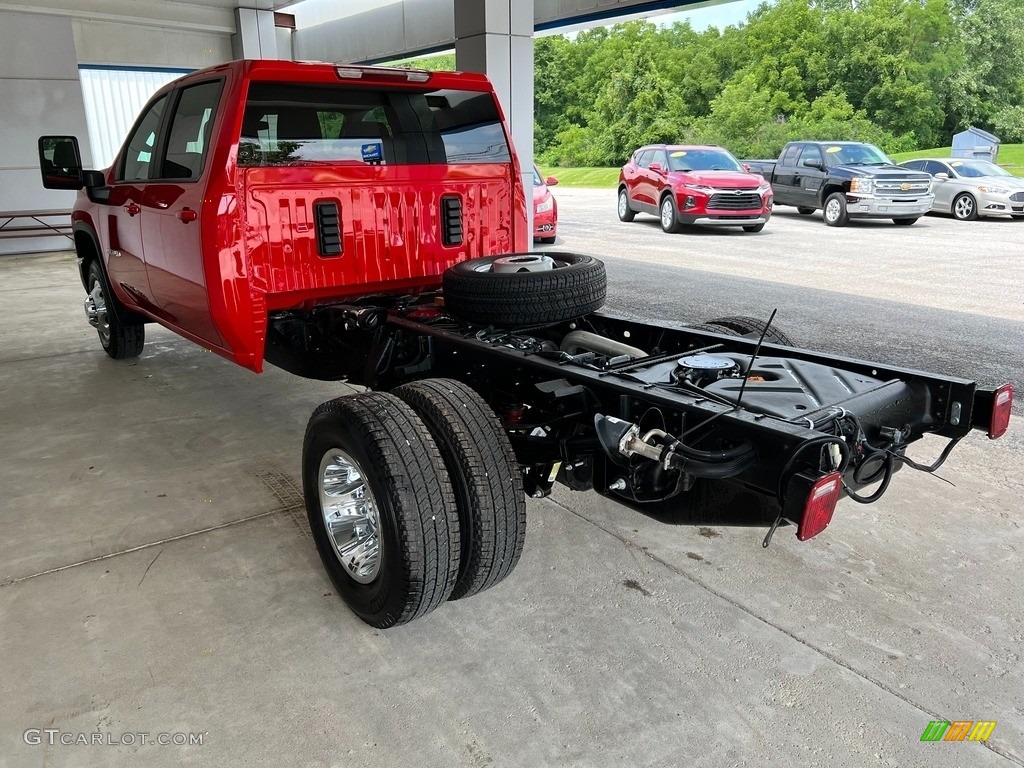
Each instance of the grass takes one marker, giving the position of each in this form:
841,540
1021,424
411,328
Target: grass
1011,157
601,178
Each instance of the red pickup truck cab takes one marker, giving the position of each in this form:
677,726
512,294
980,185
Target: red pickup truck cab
256,187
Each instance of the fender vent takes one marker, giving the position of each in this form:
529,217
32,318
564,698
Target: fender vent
328,227
451,220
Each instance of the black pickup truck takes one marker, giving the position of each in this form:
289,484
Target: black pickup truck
845,179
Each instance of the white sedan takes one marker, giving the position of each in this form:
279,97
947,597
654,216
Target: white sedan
972,188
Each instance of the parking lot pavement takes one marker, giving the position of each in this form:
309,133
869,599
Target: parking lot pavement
941,295
158,577
967,266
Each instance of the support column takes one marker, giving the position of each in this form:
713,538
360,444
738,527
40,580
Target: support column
496,37
256,37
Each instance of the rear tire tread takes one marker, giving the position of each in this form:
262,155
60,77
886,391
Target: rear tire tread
416,484
486,477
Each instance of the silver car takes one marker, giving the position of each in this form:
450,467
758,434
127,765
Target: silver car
972,188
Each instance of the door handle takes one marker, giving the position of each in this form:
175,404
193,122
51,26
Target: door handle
187,215
133,208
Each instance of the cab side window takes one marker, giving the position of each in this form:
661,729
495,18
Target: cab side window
792,153
811,154
141,150
188,141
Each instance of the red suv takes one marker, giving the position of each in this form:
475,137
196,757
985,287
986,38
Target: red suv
693,185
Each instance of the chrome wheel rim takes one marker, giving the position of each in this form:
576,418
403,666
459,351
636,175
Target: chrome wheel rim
526,262
350,516
623,204
523,262
964,207
668,214
96,311
832,210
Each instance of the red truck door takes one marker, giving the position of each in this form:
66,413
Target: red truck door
122,225
172,207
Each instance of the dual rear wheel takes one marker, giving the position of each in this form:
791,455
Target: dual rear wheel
414,497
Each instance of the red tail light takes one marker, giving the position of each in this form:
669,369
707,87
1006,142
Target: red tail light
820,504
1002,402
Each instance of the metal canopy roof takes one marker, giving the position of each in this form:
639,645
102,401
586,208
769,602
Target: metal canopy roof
218,15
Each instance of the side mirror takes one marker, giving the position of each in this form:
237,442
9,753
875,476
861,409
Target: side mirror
746,167
654,167
60,162
942,176
816,164
551,181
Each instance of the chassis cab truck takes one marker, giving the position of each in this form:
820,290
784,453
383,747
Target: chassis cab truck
368,225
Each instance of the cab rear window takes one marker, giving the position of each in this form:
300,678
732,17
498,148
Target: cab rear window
298,125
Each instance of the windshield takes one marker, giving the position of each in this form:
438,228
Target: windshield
856,154
536,178
973,169
702,160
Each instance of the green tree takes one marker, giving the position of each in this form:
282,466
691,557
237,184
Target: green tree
904,74
990,78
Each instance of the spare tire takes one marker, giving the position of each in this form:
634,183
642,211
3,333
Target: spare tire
525,289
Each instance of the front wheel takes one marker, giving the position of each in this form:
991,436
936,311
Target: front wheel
119,340
835,213
669,221
905,222
625,212
964,207
380,507
754,228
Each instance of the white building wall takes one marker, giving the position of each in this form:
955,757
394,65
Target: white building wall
39,94
388,31
284,43
141,45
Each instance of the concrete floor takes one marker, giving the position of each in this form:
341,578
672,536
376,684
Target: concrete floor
157,576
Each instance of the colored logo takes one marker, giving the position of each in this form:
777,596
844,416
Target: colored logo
372,152
958,730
